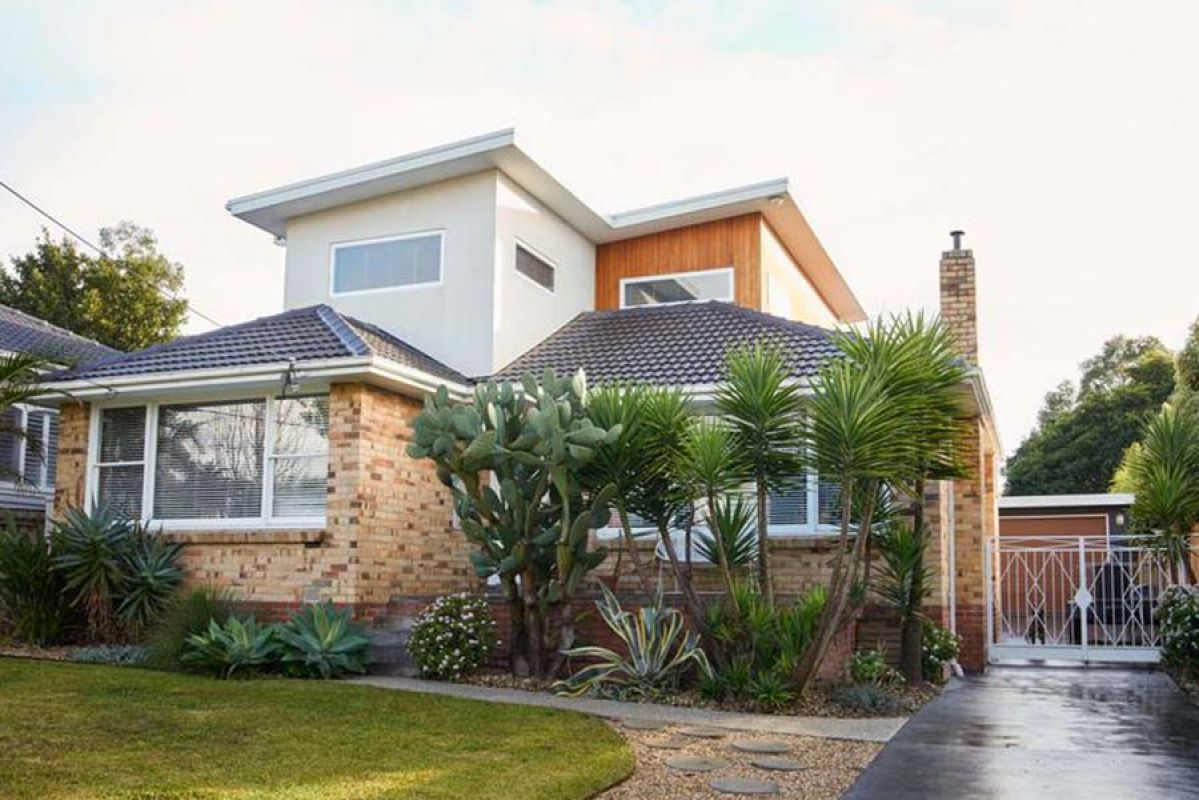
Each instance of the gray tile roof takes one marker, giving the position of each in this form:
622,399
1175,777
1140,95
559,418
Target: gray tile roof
304,334
23,333
676,345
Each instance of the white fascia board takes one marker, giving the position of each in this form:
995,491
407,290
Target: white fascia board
681,212
1067,500
402,378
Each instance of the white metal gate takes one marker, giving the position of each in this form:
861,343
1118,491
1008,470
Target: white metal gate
1073,598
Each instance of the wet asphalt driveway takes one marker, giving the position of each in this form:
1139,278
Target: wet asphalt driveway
1025,732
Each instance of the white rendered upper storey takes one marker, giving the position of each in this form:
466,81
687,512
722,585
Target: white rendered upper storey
474,253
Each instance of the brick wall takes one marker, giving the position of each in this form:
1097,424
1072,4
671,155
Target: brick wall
387,535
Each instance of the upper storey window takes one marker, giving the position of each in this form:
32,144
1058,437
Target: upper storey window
534,267
681,287
388,263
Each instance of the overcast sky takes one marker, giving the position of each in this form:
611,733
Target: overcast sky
1060,135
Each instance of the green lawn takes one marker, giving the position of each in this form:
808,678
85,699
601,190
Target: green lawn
83,731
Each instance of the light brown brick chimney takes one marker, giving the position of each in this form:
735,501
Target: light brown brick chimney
959,310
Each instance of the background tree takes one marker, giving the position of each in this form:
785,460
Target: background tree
764,408
1079,441
123,301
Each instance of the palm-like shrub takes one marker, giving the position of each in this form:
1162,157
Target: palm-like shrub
32,605
1165,476
90,553
763,406
318,641
238,646
152,576
659,649
453,636
733,518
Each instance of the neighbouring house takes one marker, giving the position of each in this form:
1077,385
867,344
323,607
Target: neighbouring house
1103,517
29,433
275,449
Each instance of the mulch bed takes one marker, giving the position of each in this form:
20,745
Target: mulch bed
56,653
817,703
831,766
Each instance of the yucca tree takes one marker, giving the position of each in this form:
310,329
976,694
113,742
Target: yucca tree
709,463
763,405
733,518
856,436
1165,476
918,361
622,463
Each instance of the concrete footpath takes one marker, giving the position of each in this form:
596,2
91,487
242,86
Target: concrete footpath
878,729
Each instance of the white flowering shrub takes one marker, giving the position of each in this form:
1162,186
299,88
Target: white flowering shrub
1178,617
453,636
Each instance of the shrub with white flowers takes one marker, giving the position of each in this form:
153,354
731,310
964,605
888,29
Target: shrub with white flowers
453,636
1178,617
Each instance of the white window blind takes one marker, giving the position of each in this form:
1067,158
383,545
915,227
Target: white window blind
788,507
386,263
209,461
830,503
301,457
11,421
120,463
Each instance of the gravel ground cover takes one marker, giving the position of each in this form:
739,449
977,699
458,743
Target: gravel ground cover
831,765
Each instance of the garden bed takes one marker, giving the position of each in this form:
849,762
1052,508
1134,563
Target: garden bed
818,703
830,765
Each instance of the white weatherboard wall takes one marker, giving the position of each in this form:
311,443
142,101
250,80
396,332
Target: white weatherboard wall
451,321
787,290
525,313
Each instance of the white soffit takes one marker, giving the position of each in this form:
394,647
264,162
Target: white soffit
1066,500
270,209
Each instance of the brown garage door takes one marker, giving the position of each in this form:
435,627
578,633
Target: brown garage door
1078,525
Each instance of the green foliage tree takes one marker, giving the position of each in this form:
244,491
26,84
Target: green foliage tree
514,460
764,408
1078,443
117,300
1164,473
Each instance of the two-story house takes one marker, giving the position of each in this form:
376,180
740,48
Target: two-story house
276,448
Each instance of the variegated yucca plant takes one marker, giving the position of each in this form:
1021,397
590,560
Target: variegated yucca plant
659,650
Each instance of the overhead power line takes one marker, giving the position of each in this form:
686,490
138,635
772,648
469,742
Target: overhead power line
72,232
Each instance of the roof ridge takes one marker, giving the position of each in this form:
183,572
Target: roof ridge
343,330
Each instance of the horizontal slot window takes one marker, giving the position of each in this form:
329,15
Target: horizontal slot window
687,287
535,268
387,263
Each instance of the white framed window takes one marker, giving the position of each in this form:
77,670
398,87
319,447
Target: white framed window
28,447
678,287
811,507
391,262
258,461
534,266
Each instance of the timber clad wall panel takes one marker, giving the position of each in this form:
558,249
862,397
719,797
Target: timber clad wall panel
734,242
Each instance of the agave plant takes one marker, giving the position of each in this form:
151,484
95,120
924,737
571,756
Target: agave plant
90,552
238,645
732,517
152,574
659,650
320,641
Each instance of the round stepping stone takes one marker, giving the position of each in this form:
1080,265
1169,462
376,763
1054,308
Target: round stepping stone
779,764
641,724
743,786
666,744
761,747
695,763
701,732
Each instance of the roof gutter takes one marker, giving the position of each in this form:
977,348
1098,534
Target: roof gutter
382,370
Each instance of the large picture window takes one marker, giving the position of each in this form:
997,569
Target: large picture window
249,461
683,287
397,261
